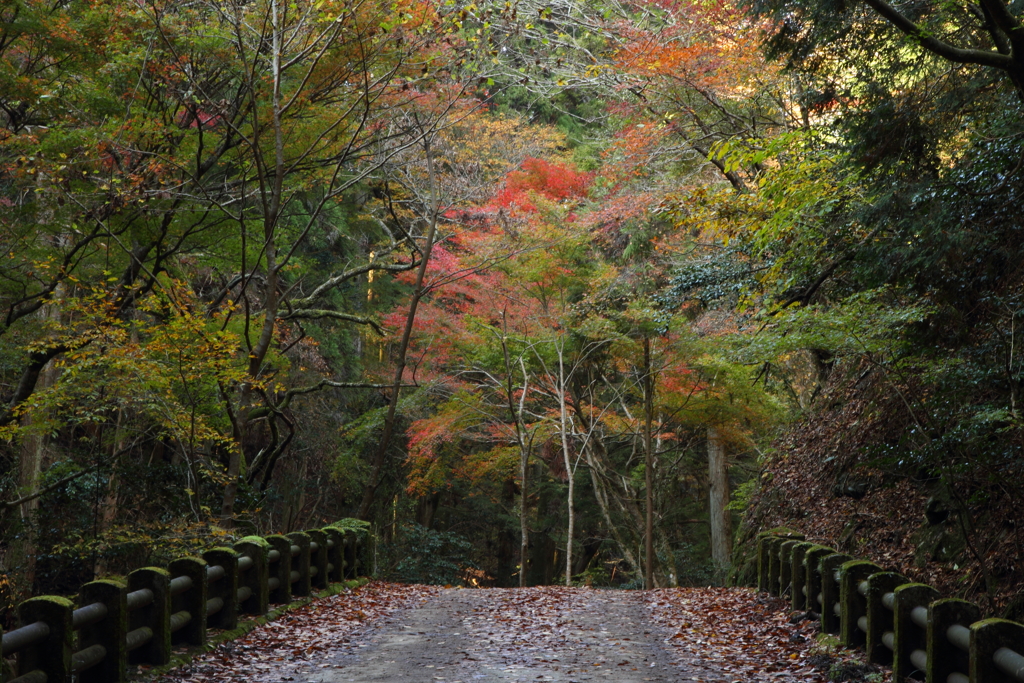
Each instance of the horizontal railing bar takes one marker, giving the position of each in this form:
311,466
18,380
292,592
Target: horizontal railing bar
37,676
244,563
862,624
294,576
140,598
273,583
87,658
296,550
957,677
919,615
862,588
137,638
274,555
1010,662
244,593
959,636
179,620
21,638
919,658
889,600
180,584
215,573
214,605
314,547
889,640
90,614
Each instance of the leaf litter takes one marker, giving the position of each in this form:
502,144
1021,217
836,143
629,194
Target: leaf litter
707,635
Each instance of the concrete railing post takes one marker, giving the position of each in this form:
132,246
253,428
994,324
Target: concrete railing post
300,563
109,632
774,565
881,619
830,591
224,589
336,553
763,561
944,657
909,636
280,582
987,638
350,555
256,577
53,655
155,616
854,605
191,601
812,572
786,567
799,600
318,559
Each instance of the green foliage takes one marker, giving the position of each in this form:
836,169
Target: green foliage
431,557
349,524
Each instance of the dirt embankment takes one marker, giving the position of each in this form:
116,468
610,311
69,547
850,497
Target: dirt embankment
838,477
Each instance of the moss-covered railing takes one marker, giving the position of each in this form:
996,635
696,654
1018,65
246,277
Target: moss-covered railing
904,624
138,621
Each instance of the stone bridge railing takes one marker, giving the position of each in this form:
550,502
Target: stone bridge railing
136,622
898,622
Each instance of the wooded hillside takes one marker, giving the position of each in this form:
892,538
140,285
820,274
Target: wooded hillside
540,292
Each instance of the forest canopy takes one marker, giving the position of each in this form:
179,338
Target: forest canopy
549,291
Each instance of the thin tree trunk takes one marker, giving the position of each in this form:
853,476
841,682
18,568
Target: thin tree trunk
381,453
564,428
718,470
648,468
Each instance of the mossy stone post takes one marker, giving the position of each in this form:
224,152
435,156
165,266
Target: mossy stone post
987,637
909,636
281,570
155,616
812,569
53,655
360,553
763,559
350,555
318,559
224,589
254,578
799,600
880,617
109,632
335,554
945,658
774,565
191,600
786,566
830,591
301,587
854,604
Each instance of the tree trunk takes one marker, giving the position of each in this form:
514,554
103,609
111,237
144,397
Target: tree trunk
718,470
648,468
564,428
381,454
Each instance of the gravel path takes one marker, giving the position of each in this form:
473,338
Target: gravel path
539,634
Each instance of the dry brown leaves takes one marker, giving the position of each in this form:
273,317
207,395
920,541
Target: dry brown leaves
743,635
289,647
